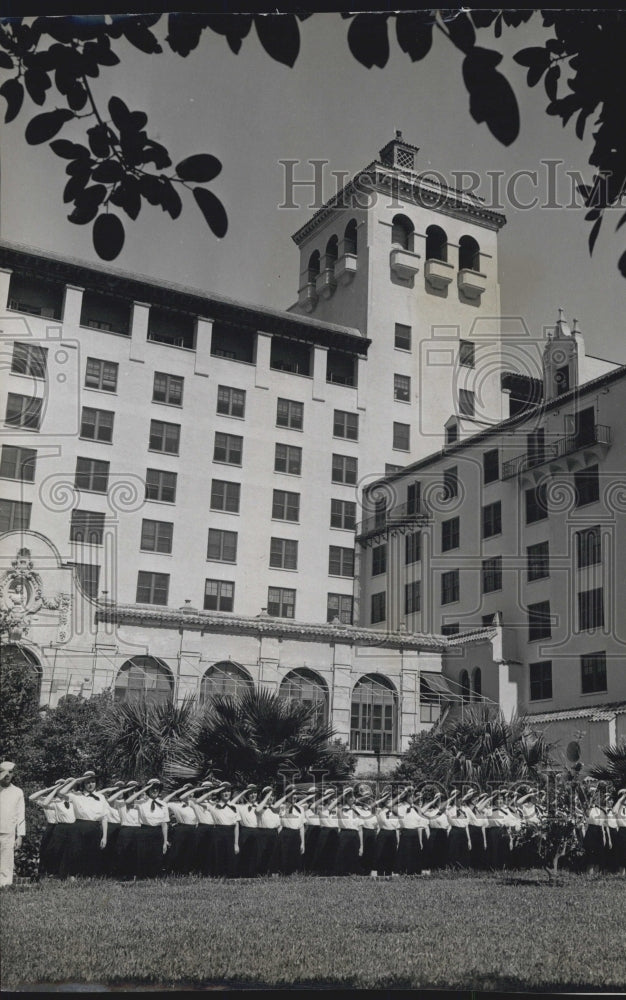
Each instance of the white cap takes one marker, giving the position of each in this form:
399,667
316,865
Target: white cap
6,767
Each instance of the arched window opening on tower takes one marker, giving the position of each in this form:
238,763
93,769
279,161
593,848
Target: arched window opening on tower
349,237
469,254
224,678
144,678
374,715
314,265
402,232
477,684
464,682
307,688
436,244
331,254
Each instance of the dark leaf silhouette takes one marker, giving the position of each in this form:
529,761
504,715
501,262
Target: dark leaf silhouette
279,35
212,210
368,40
128,196
154,152
68,150
491,97
87,204
44,127
551,81
415,34
461,30
5,61
170,200
108,172
621,264
234,29
37,82
76,184
99,140
201,168
13,93
108,236
593,235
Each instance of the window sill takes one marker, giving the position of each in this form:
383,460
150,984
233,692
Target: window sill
97,329
232,416
337,527
338,437
536,701
292,475
80,541
592,694
106,392
162,402
222,461
283,569
220,510
404,350
153,552
284,520
341,576
340,482
224,562
285,427
169,503
30,376
169,454
538,579
496,534
85,489
20,428
16,479
405,450
82,437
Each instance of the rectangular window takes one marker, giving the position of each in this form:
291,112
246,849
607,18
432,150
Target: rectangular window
88,578
156,536
492,519
492,574
343,514
491,466
590,609
412,547
23,411
339,606
164,437
340,561
379,559
467,405
283,553
378,610
281,602
587,486
225,496
450,588
401,437
344,470
593,672
402,337
87,526
346,425
402,388
228,448
413,498
167,389
452,433
18,463
450,483
412,597
222,545
101,375
92,475
231,402
538,561
285,506
449,628
539,621
290,413
466,353
97,425
218,595
540,680
14,515
288,458
588,547
152,588
536,503
160,485
29,359
450,534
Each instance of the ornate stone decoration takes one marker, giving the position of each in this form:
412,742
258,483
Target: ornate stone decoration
22,596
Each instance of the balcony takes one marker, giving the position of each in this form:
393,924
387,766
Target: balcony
404,263
325,283
438,274
599,434
472,283
405,517
173,329
345,268
36,298
307,297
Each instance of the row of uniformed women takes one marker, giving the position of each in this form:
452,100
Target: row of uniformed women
128,832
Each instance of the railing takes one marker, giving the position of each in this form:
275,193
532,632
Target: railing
340,379
598,434
164,338
402,517
49,312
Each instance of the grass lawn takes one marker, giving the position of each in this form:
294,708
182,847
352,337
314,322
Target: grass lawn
488,931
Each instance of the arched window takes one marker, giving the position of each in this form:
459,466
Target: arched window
314,265
464,682
477,684
332,253
307,688
224,678
28,660
374,715
144,678
469,254
349,237
436,244
402,231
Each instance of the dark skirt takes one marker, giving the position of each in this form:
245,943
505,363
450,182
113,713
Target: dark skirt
181,855
204,848
498,850
61,850
347,860
109,855
326,850
224,857
126,852
268,851
45,859
249,842
290,857
150,857
386,852
478,853
311,836
368,861
458,848
87,855
437,849
409,860
617,854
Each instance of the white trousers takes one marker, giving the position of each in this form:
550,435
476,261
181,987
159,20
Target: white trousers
7,848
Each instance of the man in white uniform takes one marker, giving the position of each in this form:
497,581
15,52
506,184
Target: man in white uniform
12,821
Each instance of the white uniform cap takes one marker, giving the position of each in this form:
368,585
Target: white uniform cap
6,767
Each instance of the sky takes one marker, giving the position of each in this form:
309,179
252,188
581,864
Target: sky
252,112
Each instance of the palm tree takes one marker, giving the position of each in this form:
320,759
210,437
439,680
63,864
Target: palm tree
614,768
140,735
251,737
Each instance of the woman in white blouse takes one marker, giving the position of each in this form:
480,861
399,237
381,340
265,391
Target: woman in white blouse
88,829
152,842
246,802
268,818
350,844
364,807
291,837
48,860
225,831
181,856
388,834
618,811
126,863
